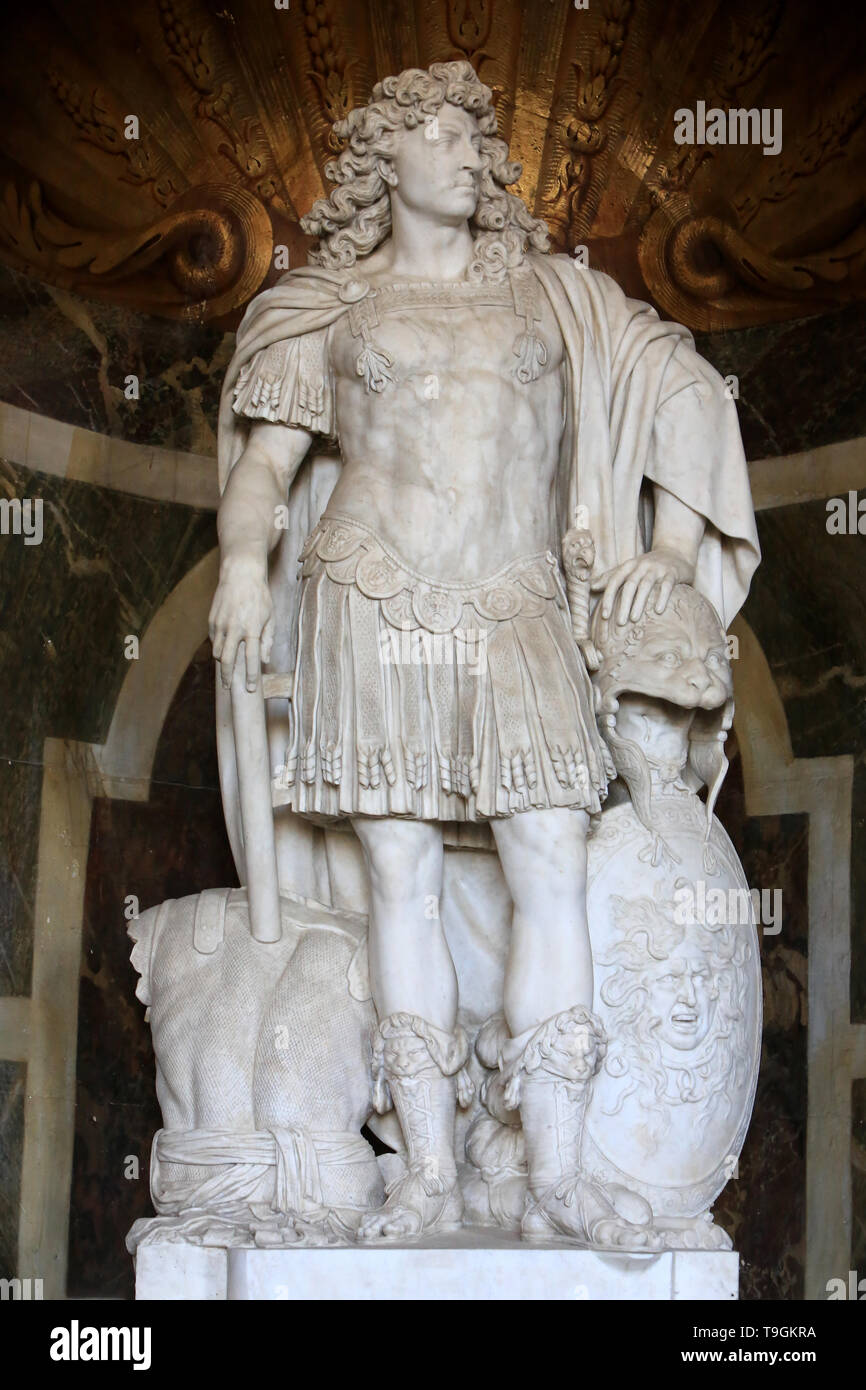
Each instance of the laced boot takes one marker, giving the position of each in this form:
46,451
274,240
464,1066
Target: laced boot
548,1073
421,1071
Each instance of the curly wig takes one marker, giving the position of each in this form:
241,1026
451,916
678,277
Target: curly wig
356,218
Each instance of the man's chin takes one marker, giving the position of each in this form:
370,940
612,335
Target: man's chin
451,206
462,203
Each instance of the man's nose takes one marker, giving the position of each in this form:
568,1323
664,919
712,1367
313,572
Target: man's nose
471,158
686,992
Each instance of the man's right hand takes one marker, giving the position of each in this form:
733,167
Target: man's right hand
242,611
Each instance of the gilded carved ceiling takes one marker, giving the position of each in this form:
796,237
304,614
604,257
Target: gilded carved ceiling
235,99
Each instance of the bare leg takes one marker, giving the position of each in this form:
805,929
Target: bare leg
418,1052
549,969
411,969
557,1043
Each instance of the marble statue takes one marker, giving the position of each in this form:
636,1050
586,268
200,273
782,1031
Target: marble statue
484,522
677,984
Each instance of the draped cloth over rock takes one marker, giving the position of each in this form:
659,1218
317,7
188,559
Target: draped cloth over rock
286,1163
642,407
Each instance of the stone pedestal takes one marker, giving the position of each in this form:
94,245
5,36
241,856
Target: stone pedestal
479,1266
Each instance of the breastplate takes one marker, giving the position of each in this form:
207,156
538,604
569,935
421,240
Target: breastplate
367,306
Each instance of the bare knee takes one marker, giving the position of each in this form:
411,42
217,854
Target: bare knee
543,857
404,858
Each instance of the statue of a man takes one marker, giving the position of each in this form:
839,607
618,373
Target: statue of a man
481,390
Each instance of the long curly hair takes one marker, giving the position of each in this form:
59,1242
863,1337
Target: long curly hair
357,216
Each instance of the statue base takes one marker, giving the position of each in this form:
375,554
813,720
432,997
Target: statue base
477,1265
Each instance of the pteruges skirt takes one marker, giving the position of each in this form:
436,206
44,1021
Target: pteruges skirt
446,702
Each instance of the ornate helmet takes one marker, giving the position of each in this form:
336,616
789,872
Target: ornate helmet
679,656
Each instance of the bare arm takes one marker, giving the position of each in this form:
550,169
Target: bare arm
677,535
242,610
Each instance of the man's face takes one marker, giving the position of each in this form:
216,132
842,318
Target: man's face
437,166
682,997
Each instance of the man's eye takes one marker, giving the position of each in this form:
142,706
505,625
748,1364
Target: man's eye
670,659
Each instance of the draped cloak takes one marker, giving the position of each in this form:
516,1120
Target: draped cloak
642,407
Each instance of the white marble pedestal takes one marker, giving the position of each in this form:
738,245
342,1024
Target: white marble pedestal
478,1266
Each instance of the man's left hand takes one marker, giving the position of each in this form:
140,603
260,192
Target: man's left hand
635,582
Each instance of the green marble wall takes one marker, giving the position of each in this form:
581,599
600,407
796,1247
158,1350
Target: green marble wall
106,564
68,358
12,1081
858,1174
808,610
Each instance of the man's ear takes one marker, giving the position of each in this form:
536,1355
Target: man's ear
385,169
